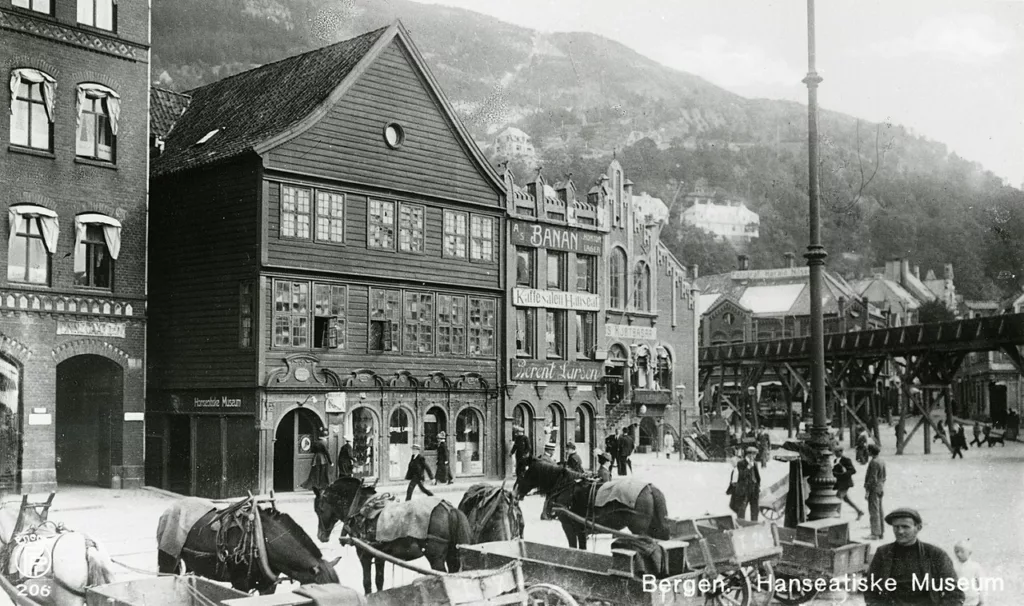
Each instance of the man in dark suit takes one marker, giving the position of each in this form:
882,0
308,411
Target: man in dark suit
444,470
874,488
844,470
522,450
909,572
624,448
417,468
611,448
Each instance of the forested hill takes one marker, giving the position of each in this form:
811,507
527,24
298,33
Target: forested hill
582,97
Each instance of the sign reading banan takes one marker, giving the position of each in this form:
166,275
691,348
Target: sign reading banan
624,331
556,370
557,299
556,238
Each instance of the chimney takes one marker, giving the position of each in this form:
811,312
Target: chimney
947,271
694,272
917,272
744,262
892,270
790,259
842,307
536,188
628,186
904,270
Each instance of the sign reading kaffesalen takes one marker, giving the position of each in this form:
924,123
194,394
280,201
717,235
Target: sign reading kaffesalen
539,235
530,297
556,370
625,331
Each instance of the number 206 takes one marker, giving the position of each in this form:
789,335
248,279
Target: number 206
33,590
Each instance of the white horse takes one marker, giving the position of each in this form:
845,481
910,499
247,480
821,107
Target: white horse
45,563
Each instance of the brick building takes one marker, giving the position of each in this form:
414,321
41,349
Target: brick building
73,178
324,259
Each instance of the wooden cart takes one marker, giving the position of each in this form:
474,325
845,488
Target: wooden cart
816,550
161,591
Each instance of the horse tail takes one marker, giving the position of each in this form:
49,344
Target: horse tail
658,528
99,563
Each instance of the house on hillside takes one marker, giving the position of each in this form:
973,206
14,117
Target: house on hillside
513,143
718,212
326,253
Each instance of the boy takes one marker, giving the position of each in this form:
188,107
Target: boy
970,571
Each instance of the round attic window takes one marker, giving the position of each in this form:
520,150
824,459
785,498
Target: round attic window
394,135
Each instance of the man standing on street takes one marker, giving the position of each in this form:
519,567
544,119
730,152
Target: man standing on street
444,470
874,488
843,470
417,467
611,447
922,573
345,458
625,449
521,449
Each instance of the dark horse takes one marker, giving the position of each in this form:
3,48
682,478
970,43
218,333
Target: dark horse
493,513
226,545
576,492
357,506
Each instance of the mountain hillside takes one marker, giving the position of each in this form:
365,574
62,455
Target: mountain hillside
583,98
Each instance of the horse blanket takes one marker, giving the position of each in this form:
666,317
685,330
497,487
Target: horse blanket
622,490
177,522
407,519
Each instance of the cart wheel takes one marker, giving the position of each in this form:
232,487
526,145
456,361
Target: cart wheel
770,513
545,594
790,597
760,577
731,589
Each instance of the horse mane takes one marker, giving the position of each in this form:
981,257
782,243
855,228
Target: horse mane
550,469
292,528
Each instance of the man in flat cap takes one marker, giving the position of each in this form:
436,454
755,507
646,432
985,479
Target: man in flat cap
909,572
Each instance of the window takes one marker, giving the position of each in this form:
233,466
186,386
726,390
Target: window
385,314
454,234
380,231
329,316
554,335
294,212
586,273
526,319
40,6
34,234
410,228
556,270
330,217
97,13
99,110
525,266
291,314
451,325
32,109
93,265
419,323
581,426
481,327
617,279
246,307
586,334
642,287
482,238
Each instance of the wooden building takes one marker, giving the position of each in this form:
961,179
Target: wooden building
326,254
73,174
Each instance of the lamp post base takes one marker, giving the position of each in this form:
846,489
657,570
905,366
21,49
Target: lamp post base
822,501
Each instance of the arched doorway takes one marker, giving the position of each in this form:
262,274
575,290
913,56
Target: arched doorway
293,448
88,419
435,421
10,425
522,417
649,438
554,430
361,427
469,452
584,435
399,443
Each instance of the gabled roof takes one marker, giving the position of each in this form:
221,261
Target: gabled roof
880,290
165,107
776,292
259,109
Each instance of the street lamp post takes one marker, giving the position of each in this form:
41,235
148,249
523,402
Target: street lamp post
680,390
822,502
751,393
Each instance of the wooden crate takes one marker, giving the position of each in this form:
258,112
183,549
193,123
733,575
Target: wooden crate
829,532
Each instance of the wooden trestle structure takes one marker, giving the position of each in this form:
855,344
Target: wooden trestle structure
923,357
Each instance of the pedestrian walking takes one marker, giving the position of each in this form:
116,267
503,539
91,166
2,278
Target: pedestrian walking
345,458
958,441
901,431
908,572
573,462
874,489
522,450
444,469
844,471
670,445
320,471
764,447
970,575
624,448
417,468
747,488
977,434
603,473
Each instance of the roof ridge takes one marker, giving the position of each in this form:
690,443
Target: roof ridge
167,90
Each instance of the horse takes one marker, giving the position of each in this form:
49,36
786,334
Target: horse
493,513
48,563
391,527
226,545
577,492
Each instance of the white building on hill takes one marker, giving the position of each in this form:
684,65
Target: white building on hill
719,213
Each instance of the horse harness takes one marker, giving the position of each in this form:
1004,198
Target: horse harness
249,551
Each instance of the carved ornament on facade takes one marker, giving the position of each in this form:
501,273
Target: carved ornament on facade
14,348
60,304
48,29
303,369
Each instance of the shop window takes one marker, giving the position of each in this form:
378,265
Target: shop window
522,418
32,109
97,246
364,443
586,273
617,279
39,6
481,238
385,315
410,228
291,314
31,243
295,212
419,323
380,229
451,325
556,270
526,320
246,307
329,316
586,334
455,234
97,13
481,327
554,334
468,443
663,370
434,422
10,425
99,111
526,263
330,217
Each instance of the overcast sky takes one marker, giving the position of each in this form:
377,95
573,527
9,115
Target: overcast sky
951,70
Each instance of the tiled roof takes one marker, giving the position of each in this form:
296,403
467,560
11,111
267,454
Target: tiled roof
165,107
252,106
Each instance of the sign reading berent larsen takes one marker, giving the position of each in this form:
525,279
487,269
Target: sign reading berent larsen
556,370
557,299
557,238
